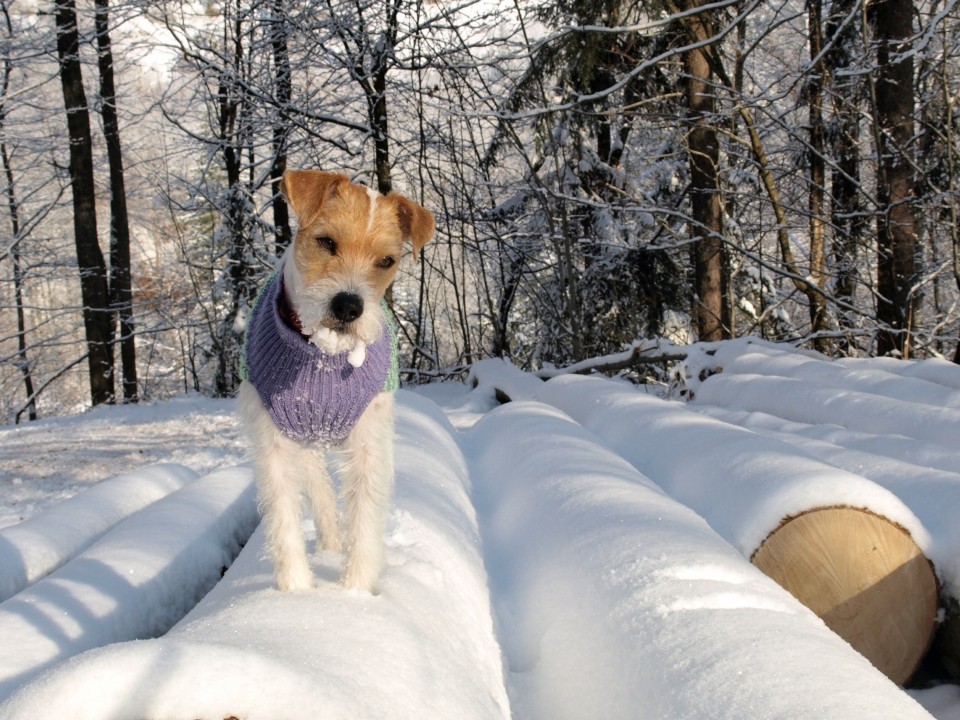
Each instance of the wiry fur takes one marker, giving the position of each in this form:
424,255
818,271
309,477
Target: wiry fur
366,229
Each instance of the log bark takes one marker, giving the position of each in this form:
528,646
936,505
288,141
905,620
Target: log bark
864,576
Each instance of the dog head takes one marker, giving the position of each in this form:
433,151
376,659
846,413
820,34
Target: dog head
345,254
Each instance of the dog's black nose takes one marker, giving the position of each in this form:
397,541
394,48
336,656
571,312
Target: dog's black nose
346,307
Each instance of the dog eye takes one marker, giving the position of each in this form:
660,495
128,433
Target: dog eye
386,263
327,244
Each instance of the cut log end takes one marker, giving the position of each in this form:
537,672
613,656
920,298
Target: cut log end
864,576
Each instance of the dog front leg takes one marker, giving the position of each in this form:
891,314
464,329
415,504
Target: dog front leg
367,474
278,491
279,501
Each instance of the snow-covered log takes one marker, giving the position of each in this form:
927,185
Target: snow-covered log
915,398
616,601
423,649
752,488
876,378
821,404
931,493
504,380
39,545
135,582
935,370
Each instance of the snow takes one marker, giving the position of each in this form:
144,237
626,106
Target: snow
543,562
870,402
136,581
935,370
876,378
41,544
822,404
44,462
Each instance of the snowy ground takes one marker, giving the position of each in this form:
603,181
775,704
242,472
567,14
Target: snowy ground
47,461
546,559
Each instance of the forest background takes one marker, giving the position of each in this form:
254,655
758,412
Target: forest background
601,171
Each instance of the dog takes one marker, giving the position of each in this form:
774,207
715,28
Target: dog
319,370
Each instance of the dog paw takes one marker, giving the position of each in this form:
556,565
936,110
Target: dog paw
359,581
293,580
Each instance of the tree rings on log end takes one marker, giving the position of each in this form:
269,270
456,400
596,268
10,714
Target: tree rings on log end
864,576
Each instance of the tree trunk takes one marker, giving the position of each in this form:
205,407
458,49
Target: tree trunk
120,265
23,361
374,83
897,241
284,91
233,110
700,63
13,207
709,308
94,286
846,213
377,101
819,323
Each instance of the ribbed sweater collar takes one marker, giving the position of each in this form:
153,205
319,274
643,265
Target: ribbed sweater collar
312,396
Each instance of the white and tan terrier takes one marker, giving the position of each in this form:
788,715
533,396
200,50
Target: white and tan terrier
319,370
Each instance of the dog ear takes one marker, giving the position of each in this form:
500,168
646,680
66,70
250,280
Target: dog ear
415,222
307,190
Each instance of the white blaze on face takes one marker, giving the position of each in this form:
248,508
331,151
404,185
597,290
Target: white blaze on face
311,302
374,196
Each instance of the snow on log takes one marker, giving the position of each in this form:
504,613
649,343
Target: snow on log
748,486
935,370
897,447
135,582
39,545
815,404
423,649
932,494
503,379
762,358
616,601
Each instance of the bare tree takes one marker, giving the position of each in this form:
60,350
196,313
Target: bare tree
595,167
278,32
848,219
94,283
368,32
703,149
120,269
13,207
898,246
819,322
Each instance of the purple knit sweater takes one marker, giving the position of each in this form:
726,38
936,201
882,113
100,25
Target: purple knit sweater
312,396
